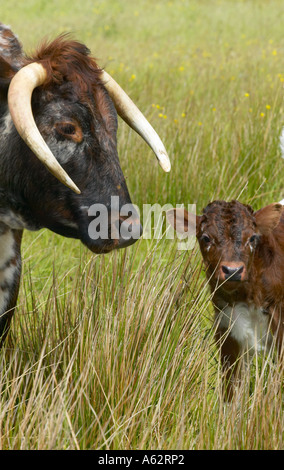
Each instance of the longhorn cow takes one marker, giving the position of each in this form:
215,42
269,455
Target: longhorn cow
58,151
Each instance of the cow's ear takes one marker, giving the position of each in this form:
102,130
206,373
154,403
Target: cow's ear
6,72
268,218
183,221
11,56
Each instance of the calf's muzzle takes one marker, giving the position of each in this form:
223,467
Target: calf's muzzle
232,272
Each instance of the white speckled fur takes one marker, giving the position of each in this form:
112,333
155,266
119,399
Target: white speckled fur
13,221
7,248
6,124
7,271
4,299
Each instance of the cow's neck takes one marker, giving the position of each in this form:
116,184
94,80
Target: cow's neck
10,273
14,212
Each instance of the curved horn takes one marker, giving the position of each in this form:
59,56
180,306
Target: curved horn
19,102
135,119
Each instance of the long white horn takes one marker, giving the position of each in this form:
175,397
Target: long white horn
135,119
19,102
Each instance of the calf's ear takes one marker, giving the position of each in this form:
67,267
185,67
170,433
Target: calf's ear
183,221
268,217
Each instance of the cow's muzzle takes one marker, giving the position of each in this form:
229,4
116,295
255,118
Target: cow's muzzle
114,231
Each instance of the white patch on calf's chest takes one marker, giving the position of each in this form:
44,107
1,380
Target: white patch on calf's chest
248,325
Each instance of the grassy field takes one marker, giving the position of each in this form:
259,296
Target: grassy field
117,351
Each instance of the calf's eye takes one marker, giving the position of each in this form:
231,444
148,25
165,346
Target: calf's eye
205,239
253,242
253,239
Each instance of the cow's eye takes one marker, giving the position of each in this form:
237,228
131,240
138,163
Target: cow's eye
205,239
65,128
70,131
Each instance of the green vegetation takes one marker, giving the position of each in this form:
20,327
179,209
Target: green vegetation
116,351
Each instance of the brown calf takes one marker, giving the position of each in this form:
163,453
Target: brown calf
243,252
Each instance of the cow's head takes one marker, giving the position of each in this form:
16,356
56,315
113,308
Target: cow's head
228,234
58,124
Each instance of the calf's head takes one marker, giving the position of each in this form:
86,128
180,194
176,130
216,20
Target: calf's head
228,234
58,124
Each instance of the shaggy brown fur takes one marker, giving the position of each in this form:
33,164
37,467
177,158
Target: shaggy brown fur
243,252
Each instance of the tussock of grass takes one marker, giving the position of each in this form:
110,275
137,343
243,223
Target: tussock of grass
126,360
117,351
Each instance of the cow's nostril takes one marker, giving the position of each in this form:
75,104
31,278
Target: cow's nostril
225,269
130,229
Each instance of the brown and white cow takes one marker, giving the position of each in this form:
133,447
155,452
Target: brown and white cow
243,252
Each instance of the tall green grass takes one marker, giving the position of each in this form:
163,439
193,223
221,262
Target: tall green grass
117,351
